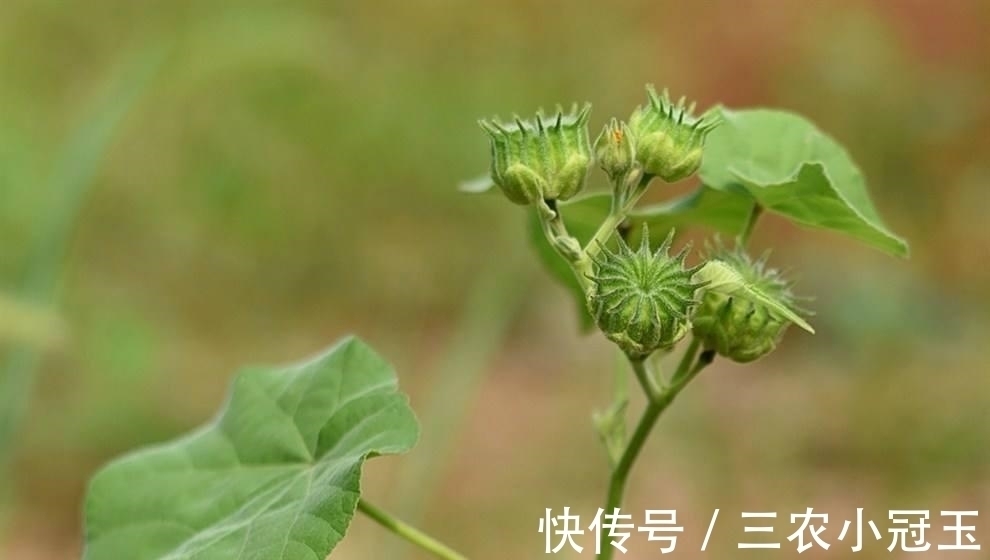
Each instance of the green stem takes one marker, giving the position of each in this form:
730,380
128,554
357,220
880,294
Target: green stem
569,249
686,371
411,534
615,217
621,382
750,224
646,380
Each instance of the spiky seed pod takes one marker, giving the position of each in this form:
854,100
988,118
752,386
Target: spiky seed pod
642,300
738,328
540,159
669,138
614,149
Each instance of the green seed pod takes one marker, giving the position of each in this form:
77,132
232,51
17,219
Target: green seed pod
669,138
614,149
543,159
642,300
739,328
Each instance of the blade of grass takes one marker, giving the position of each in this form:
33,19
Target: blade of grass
480,332
72,176
28,325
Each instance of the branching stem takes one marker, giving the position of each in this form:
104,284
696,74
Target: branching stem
616,216
646,379
686,371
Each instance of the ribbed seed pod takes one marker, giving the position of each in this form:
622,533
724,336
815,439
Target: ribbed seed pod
642,300
669,138
737,328
542,159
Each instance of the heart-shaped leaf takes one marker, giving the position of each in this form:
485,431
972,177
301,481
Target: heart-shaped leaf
792,168
275,476
722,277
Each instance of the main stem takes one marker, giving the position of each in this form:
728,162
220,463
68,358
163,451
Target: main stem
658,403
409,533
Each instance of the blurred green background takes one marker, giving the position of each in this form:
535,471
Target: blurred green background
188,187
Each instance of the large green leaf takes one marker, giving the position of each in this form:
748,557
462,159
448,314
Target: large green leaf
276,476
793,169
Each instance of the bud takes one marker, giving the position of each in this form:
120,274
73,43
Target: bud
544,159
744,328
615,150
642,300
669,138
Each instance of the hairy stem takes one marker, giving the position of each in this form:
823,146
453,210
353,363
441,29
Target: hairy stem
411,534
686,371
564,244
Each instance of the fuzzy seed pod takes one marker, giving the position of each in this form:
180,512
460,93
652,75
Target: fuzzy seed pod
669,138
542,159
642,300
739,328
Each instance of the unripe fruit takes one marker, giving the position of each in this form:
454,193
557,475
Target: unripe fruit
543,159
669,138
641,300
738,328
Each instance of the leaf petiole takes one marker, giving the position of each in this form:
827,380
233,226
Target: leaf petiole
408,532
750,224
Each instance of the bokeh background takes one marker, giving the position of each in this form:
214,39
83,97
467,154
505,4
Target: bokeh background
189,187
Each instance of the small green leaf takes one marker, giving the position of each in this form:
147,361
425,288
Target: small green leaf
275,476
723,278
478,185
792,168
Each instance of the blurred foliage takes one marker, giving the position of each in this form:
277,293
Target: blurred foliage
290,173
